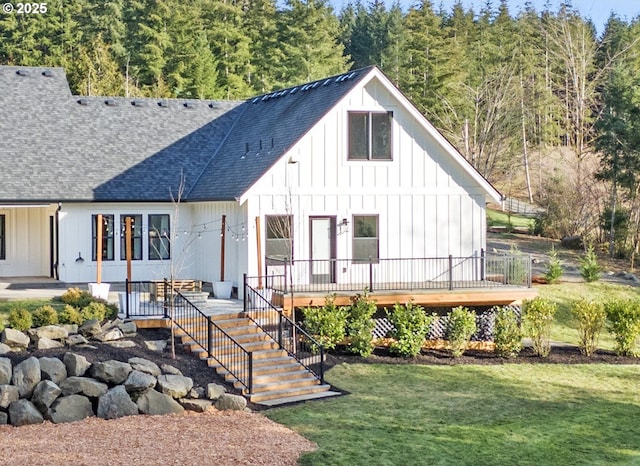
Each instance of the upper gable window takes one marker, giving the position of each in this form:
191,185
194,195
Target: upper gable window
370,135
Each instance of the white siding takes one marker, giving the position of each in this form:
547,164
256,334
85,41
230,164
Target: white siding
76,240
27,234
427,205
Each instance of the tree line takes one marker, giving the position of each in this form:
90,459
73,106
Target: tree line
537,101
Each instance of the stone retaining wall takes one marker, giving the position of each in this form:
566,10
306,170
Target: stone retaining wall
71,388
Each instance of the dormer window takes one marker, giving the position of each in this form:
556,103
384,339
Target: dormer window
370,135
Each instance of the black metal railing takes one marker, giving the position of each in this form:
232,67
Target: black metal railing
148,299
448,273
285,332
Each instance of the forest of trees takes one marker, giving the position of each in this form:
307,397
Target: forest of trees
540,104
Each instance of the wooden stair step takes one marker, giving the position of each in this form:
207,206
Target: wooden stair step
288,393
284,384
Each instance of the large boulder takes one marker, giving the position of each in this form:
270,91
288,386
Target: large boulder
146,366
215,391
128,328
52,332
90,328
45,393
4,418
84,386
6,370
23,412
154,402
5,349
176,386
116,403
199,406
156,345
112,372
76,339
231,402
139,381
110,335
76,364
169,369
70,409
14,338
52,369
26,376
8,395
48,343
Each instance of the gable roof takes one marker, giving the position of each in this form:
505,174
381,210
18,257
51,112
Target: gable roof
58,147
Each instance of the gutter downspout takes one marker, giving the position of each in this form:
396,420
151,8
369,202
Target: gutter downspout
57,242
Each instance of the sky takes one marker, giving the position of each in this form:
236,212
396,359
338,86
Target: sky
597,10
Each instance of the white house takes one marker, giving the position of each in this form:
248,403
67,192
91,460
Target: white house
346,164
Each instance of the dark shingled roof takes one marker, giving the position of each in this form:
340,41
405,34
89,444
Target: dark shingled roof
58,147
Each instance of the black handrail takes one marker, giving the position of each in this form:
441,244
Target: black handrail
185,315
285,332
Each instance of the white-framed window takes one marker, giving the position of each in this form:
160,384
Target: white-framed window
370,135
366,241
136,237
279,238
108,235
159,237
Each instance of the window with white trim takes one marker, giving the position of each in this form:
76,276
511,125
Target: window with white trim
279,238
370,135
366,243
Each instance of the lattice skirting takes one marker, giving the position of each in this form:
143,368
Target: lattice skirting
485,322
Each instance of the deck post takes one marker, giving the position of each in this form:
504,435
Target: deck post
370,273
166,298
482,262
126,296
250,381
280,340
209,336
450,272
321,364
244,292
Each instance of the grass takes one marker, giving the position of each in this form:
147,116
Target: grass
565,294
498,218
28,304
473,415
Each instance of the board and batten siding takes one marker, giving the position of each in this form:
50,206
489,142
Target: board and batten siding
76,240
427,205
27,241
207,250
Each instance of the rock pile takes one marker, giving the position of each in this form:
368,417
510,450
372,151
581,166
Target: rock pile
71,388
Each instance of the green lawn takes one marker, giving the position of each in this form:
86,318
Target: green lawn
28,304
473,415
498,218
565,294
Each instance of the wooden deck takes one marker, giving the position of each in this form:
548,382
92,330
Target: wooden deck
481,296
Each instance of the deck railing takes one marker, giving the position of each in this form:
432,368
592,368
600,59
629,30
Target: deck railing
290,336
202,329
448,273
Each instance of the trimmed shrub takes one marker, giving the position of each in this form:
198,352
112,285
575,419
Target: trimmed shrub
461,326
623,321
591,318
508,333
1,325
360,324
70,315
327,323
554,271
94,310
44,315
76,297
589,268
112,311
538,318
20,319
411,325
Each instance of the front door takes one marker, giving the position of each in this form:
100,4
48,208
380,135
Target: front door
323,249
